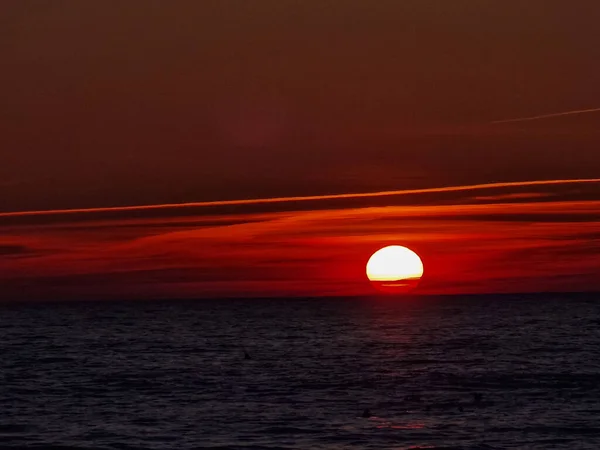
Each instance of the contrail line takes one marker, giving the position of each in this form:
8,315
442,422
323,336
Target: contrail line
546,116
259,201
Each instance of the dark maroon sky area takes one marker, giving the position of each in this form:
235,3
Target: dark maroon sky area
113,103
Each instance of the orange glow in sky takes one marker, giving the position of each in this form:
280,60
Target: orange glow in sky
540,238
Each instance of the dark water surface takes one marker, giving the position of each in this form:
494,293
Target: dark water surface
172,374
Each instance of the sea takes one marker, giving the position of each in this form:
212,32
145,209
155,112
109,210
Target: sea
462,372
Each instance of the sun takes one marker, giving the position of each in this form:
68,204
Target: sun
394,269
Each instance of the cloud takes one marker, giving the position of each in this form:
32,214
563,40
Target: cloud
504,244
513,196
299,199
547,116
12,250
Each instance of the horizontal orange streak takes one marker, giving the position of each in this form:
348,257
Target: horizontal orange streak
259,201
547,116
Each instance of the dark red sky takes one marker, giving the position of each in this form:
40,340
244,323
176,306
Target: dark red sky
108,103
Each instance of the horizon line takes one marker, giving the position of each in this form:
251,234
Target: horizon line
303,297
258,201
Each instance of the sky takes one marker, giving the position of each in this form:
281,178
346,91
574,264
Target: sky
109,104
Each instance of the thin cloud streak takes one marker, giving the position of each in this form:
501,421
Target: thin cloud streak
547,116
259,201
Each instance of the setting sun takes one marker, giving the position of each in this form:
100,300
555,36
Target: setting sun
395,267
